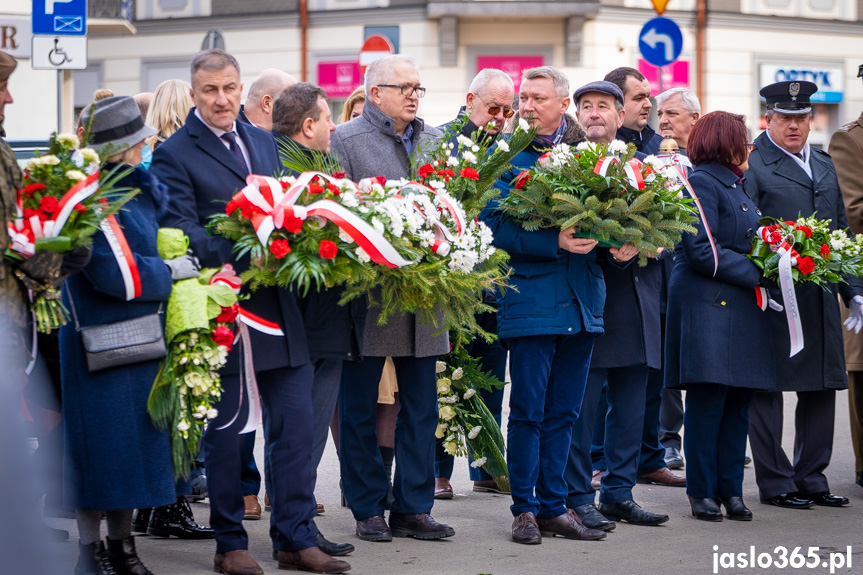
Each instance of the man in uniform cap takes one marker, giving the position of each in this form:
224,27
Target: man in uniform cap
788,177
846,148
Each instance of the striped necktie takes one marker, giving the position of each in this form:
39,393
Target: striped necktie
231,138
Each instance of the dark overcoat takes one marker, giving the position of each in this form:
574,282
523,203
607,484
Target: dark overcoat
781,189
714,330
202,176
369,146
632,329
114,457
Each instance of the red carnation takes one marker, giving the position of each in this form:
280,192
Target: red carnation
293,224
48,204
33,188
333,188
280,248
223,336
805,230
29,213
425,170
231,208
247,211
315,188
328,249
469,173
339,175
806,265
80,208
825,251
522,180
228,314
379,180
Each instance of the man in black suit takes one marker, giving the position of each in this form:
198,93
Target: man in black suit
788,177
204,164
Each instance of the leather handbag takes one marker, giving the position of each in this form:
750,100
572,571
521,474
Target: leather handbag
123,342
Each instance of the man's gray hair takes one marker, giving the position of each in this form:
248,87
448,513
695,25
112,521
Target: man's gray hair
560,81
212,60
687,96
294,104
485,77
378,72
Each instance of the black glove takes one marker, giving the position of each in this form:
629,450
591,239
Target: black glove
768,283
75,260
42,271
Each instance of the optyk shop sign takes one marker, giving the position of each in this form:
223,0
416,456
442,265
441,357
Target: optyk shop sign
830,81
338,79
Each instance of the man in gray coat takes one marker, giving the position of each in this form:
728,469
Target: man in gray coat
380,143
788,177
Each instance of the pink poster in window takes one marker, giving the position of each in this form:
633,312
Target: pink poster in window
512,65
675,75
338,79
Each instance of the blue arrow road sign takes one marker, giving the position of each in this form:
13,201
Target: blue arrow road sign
660,41
60,17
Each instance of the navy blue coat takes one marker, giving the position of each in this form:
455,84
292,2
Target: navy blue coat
782,190
559,293
714,330
114,456
632,329
646,141
202,176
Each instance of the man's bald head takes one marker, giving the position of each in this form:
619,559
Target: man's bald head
262,93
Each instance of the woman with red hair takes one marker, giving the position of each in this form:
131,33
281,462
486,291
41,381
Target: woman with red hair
718,345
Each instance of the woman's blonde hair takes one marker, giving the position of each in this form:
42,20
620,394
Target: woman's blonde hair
357,96
171,103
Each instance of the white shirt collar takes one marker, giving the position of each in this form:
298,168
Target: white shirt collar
804,163
217,131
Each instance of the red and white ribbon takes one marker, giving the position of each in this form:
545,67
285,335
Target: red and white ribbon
682,175
124,256
248,385
787,260
267,195
227,277
260,324
632,169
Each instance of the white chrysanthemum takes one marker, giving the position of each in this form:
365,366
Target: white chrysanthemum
485,234
617,147
437,184
452,161
68,140
362,255
837,245
349,200
76,175
584,146
654,162
523,124
469,157
561,149
503,146
345,237
377,225
465,241
90,155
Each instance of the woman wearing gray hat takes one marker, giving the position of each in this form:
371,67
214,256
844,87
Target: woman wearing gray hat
115,459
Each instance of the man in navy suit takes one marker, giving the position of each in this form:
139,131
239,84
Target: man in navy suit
204,164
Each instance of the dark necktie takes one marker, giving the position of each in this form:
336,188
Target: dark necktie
231,138
800,155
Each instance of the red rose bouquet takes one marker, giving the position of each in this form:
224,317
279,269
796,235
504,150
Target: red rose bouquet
63,200
200,326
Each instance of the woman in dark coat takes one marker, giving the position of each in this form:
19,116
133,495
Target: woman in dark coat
115,459
718,341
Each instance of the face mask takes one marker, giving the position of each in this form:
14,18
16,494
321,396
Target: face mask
146,157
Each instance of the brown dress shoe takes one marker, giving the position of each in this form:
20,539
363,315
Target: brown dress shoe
321,509
596,480
237,562
313,560
525,529
267,505
418,526
663,476
442,488
253,507
570,526
374,528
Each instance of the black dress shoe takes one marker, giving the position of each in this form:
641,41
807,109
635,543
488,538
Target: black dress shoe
824,499
735,509
141,520
124,559
525,529
746,460
93,560
593,519
330,548
631,512
859,479
788,501
673,458
705,509
568,526
374,528
418,526
177,520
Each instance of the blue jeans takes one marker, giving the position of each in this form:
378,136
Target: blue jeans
549,374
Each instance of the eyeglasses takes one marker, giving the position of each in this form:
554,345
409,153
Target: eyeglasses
406,89
495,110
750,146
